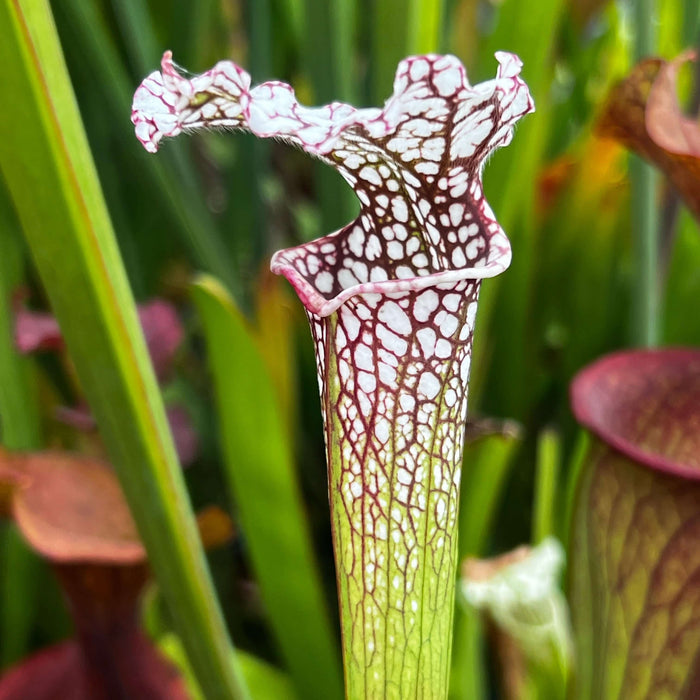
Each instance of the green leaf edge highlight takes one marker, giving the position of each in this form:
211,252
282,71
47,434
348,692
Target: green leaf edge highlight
260,472
52,179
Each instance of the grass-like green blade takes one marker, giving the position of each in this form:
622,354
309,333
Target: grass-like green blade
20,574
292,15
52,179
328,61
255,154
425,22
683,285
691,23
487,461
645,212
262,480
486,464
172,183
529,30
573,474
468,673
19,415
544,517
388,24
19,429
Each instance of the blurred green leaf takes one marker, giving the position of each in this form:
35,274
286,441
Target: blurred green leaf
265,681
19,414
574,467
261,475
20,574
425,22
484,473
683,285
170,179
528,30
387,25
545,515
486,463
468,678
330,65
19,429
51,176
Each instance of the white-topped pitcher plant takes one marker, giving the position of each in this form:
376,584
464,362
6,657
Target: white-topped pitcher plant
391,299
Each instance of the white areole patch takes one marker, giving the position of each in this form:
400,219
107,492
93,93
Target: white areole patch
395,318
429,385
399,209
427,339
324,282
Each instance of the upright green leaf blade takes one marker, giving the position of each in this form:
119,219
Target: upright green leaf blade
19,417
544,516
52,179
19,429
261,475
331,69
487,462
388,19
529,30
171,182
425,21
486,466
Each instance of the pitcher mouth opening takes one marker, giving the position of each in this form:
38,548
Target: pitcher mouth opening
317,303
639,402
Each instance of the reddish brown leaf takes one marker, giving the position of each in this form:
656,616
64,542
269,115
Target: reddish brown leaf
71,508
52,673
111,658
72,511
625,119
635,560
666,124
646,404
118,660
62,672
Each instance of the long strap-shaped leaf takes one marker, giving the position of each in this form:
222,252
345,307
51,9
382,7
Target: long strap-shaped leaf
47,164
261,476
19,429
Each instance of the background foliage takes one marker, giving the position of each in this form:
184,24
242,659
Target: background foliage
222,205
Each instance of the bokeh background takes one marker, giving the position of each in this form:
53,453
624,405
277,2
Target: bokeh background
223,203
